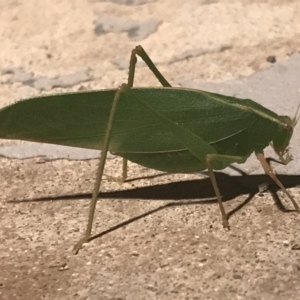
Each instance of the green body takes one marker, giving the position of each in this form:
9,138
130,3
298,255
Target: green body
224,125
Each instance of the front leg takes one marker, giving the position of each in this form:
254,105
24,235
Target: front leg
270,172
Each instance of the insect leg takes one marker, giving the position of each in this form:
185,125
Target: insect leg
269,171
139,51
209,159
103,155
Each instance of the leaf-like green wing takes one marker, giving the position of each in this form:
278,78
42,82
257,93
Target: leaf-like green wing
181,119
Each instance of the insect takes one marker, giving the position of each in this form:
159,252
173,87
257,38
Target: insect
175,130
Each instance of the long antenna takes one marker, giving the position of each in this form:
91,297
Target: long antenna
296,118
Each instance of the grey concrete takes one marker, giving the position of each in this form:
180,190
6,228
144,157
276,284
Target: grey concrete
42,83
136,30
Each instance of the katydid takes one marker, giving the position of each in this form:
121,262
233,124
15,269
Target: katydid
175,130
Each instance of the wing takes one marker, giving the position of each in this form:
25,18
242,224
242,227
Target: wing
231,126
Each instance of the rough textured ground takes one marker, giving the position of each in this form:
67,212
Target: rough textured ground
175,248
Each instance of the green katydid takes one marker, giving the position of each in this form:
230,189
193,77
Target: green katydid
170,129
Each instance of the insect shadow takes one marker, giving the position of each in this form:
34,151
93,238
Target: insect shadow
189,192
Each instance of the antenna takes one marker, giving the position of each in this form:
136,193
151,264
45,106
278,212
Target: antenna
296,118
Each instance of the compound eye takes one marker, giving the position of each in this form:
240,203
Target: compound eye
289,128
288,124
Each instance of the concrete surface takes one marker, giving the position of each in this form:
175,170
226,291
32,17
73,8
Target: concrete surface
174,246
